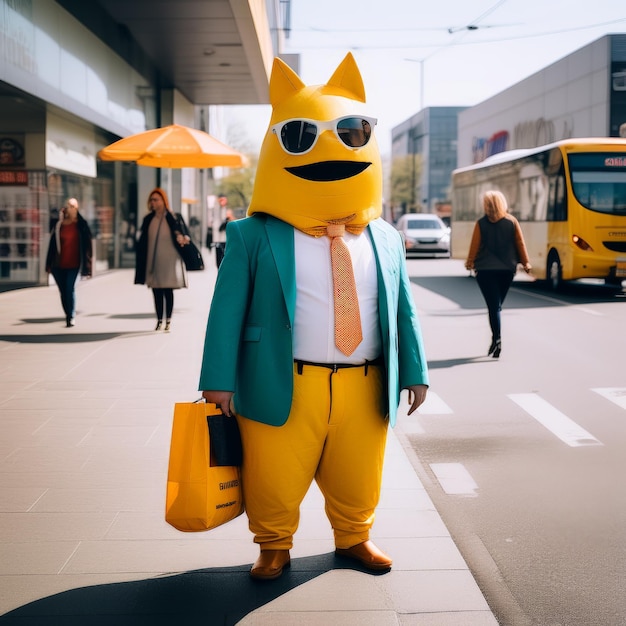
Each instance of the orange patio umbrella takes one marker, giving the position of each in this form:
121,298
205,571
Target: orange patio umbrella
173,146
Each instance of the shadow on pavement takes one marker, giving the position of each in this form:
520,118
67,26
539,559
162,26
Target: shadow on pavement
135,316
443,363
70,336
464,291
42,320
213,596
61,320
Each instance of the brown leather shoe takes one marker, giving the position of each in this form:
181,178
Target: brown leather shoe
270,564
368,555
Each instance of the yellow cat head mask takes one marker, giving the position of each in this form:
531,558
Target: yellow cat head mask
319,161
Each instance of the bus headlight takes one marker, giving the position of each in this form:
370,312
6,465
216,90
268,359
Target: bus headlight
581,243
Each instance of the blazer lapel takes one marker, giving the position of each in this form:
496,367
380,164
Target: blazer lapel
387,271
281,241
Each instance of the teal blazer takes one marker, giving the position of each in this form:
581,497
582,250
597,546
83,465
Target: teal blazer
248,345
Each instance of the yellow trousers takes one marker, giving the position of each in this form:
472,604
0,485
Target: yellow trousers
335,434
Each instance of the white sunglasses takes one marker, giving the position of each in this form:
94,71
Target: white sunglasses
299,136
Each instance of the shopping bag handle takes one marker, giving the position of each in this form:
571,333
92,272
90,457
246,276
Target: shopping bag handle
212,408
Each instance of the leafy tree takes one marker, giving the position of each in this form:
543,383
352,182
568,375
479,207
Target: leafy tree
237,185
405,175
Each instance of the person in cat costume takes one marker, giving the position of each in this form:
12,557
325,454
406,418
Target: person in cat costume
311,404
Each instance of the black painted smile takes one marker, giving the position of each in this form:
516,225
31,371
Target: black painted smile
326,171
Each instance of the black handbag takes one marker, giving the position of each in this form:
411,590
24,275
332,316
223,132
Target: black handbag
225,441
189,253
191,257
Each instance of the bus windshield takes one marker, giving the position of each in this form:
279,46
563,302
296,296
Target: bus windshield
599,181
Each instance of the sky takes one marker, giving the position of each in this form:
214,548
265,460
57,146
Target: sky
468,50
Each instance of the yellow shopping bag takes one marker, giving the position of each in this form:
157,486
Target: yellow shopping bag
202,492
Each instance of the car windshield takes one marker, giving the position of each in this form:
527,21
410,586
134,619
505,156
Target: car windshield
423,224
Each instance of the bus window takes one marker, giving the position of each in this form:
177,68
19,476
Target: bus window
557,203
601,191
599,181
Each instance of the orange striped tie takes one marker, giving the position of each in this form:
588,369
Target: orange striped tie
348,333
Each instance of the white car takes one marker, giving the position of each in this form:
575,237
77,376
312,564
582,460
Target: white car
424,234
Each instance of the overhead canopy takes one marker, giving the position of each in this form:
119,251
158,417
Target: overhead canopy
212,51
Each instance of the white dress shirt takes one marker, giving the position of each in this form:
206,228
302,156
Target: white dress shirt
314,326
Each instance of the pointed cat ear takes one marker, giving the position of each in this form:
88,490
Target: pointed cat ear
347,77
284,82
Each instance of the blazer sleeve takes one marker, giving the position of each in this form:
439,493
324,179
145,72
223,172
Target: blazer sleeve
227,316
412,364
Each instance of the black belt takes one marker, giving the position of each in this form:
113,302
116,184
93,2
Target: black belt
338,366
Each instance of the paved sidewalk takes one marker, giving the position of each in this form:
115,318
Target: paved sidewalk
85,415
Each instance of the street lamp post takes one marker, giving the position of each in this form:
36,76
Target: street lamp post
421,62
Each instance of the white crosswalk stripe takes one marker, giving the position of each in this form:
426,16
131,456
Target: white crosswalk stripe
434,405
616,395
454,479
556,422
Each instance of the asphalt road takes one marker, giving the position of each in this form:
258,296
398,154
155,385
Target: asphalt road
525,456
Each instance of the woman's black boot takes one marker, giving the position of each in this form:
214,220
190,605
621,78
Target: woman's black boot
497,349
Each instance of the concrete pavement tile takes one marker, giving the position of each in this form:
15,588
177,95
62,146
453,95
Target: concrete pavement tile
19,499
36,557
54,526
434,591
161,402
118,436
337,590
397,465
304,547
415,499
18,420
395,477
423,553
58,434
407,523
43,459
18,434
313,499
41,401
80,387
73,415
104,478
321,618
142,525
314,524
98,557
9,387
161,437
128,459
47,397
117,417
90,499
460,618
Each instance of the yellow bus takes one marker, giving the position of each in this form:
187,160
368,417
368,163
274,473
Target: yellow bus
570,200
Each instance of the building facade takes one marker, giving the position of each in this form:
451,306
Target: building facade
581,95
76,76
429,138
